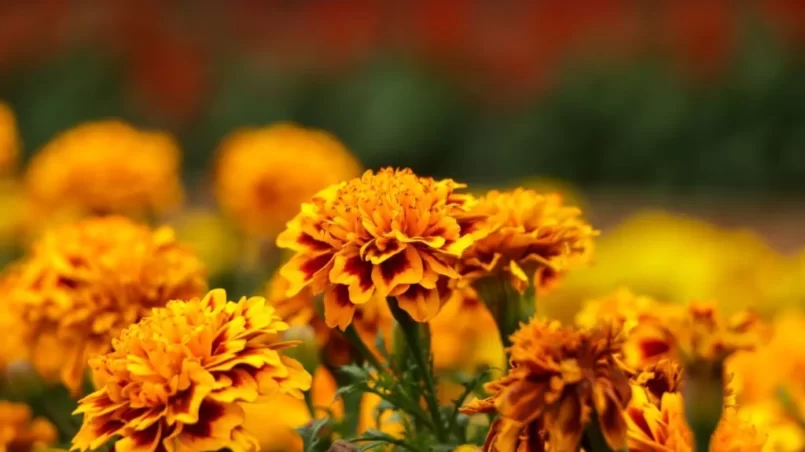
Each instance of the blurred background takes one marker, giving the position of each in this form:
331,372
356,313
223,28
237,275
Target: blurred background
693,106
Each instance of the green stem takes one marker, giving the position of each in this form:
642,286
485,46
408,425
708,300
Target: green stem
420,351
363,351
309,403
509,307
593,440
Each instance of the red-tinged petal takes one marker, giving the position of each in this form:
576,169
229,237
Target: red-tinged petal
147,440
613,424
214,428
303,269
420,303
338,309
184,406
349,269
242,387
97,432
565,424
380,250
437,265
523,400
403,268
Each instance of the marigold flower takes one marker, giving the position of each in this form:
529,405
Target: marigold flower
625,309
386,234
107,167
83,283
175,380
559,378
663,427
264,174
531,235
370,319
9,139
21,432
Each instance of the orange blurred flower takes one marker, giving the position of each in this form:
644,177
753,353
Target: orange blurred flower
263,175
106,167
532,237
175,380
559,377
83,283
20,432
385,234
9,139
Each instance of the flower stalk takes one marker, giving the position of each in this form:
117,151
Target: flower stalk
704,400
509,307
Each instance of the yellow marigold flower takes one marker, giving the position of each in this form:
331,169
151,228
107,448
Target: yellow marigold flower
464,335
559,377
700,335
175,379
107,167
663,427
265,174
83,283
9,139
623,308
532,235
386,234
370,319
277,433
20,432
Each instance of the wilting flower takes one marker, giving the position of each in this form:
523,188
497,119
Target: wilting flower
658,379
264,174
21,432
559,378
532,236
663,427
370,319
175,380
9,139
389,234
83,283
107,167
277,433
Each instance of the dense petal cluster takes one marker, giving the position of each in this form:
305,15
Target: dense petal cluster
21,432
82,284
9,139
559,378
107,167
385,234
175,380
370,319
264,174
662,427
700,335
531,236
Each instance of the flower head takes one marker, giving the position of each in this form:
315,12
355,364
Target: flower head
663,427
559,378
21,432
107,167
532,236
83,283
386,234
175,380
9,139
370,319
625,309
264,174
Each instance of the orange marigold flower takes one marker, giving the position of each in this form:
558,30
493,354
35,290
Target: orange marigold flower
532,235
659,378
370,319
175,380
21,432
107,167
663,427
385,234
9,139
264,174
83,283
559,377
625,309
700,335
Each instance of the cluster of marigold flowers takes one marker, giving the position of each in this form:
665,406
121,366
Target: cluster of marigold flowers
119,313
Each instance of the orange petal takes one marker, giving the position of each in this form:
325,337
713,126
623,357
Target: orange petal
184,407
213,431
403,268
565,424
338,309
349,269
142,440
302,269
420,303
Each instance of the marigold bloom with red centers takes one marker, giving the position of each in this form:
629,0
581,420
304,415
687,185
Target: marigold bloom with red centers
370,319
9,139
21,432
700,335
107,167
83,283
263,175
174,381
532,236
663,427
385,234
559,377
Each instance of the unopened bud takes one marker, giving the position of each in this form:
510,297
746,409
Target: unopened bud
307,352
